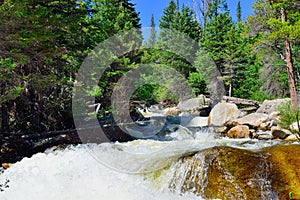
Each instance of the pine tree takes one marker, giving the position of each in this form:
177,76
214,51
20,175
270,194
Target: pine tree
152,38
224,44
167,18
115,16
239,12
276,25
36,62
180,21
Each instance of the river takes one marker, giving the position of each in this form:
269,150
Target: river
111,171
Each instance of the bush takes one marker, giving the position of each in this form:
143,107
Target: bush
288,115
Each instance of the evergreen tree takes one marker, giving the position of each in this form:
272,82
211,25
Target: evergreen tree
115,16
222,40
167,18
239,12
275,35
152,38
36,62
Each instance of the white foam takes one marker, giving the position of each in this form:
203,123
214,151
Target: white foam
75,174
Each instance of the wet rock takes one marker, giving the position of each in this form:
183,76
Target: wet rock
284,170
222,113
231,124
5,165
221,129
291,138
280,133
228,173
264,137
253,134
240,131
270,106
264,126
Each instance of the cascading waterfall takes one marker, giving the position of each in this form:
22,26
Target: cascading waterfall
141,169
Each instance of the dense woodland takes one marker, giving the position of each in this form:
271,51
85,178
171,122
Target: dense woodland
43,43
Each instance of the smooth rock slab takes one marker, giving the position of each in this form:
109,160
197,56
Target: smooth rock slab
252,120
229,173
222,113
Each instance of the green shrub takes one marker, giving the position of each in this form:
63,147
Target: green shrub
288,115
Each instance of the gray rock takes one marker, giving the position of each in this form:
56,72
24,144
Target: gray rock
294,126
265,137
270,106
190,104
253,120
197,122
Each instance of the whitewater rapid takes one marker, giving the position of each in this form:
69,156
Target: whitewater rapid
112,171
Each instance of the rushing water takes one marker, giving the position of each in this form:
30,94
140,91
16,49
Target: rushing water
111,171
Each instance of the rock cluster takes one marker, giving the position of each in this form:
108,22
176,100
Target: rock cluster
263,124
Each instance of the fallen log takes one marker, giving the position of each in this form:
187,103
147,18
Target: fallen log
240,101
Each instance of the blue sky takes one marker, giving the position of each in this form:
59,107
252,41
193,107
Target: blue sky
147,7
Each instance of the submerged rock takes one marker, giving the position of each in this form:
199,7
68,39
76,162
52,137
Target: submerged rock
231,173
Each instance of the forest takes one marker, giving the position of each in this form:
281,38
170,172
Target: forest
43,44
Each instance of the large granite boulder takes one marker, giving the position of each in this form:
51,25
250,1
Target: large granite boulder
193,103
252,120
222,113
270,106
196,121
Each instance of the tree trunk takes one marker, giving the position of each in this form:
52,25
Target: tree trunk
289,64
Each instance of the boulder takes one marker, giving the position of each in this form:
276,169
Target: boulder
190,104
197,122
264,126
222,113
253,120
264,137
5,165
229,173
175,111
291,138
240,131
294,126
280,133
274,116
270,106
